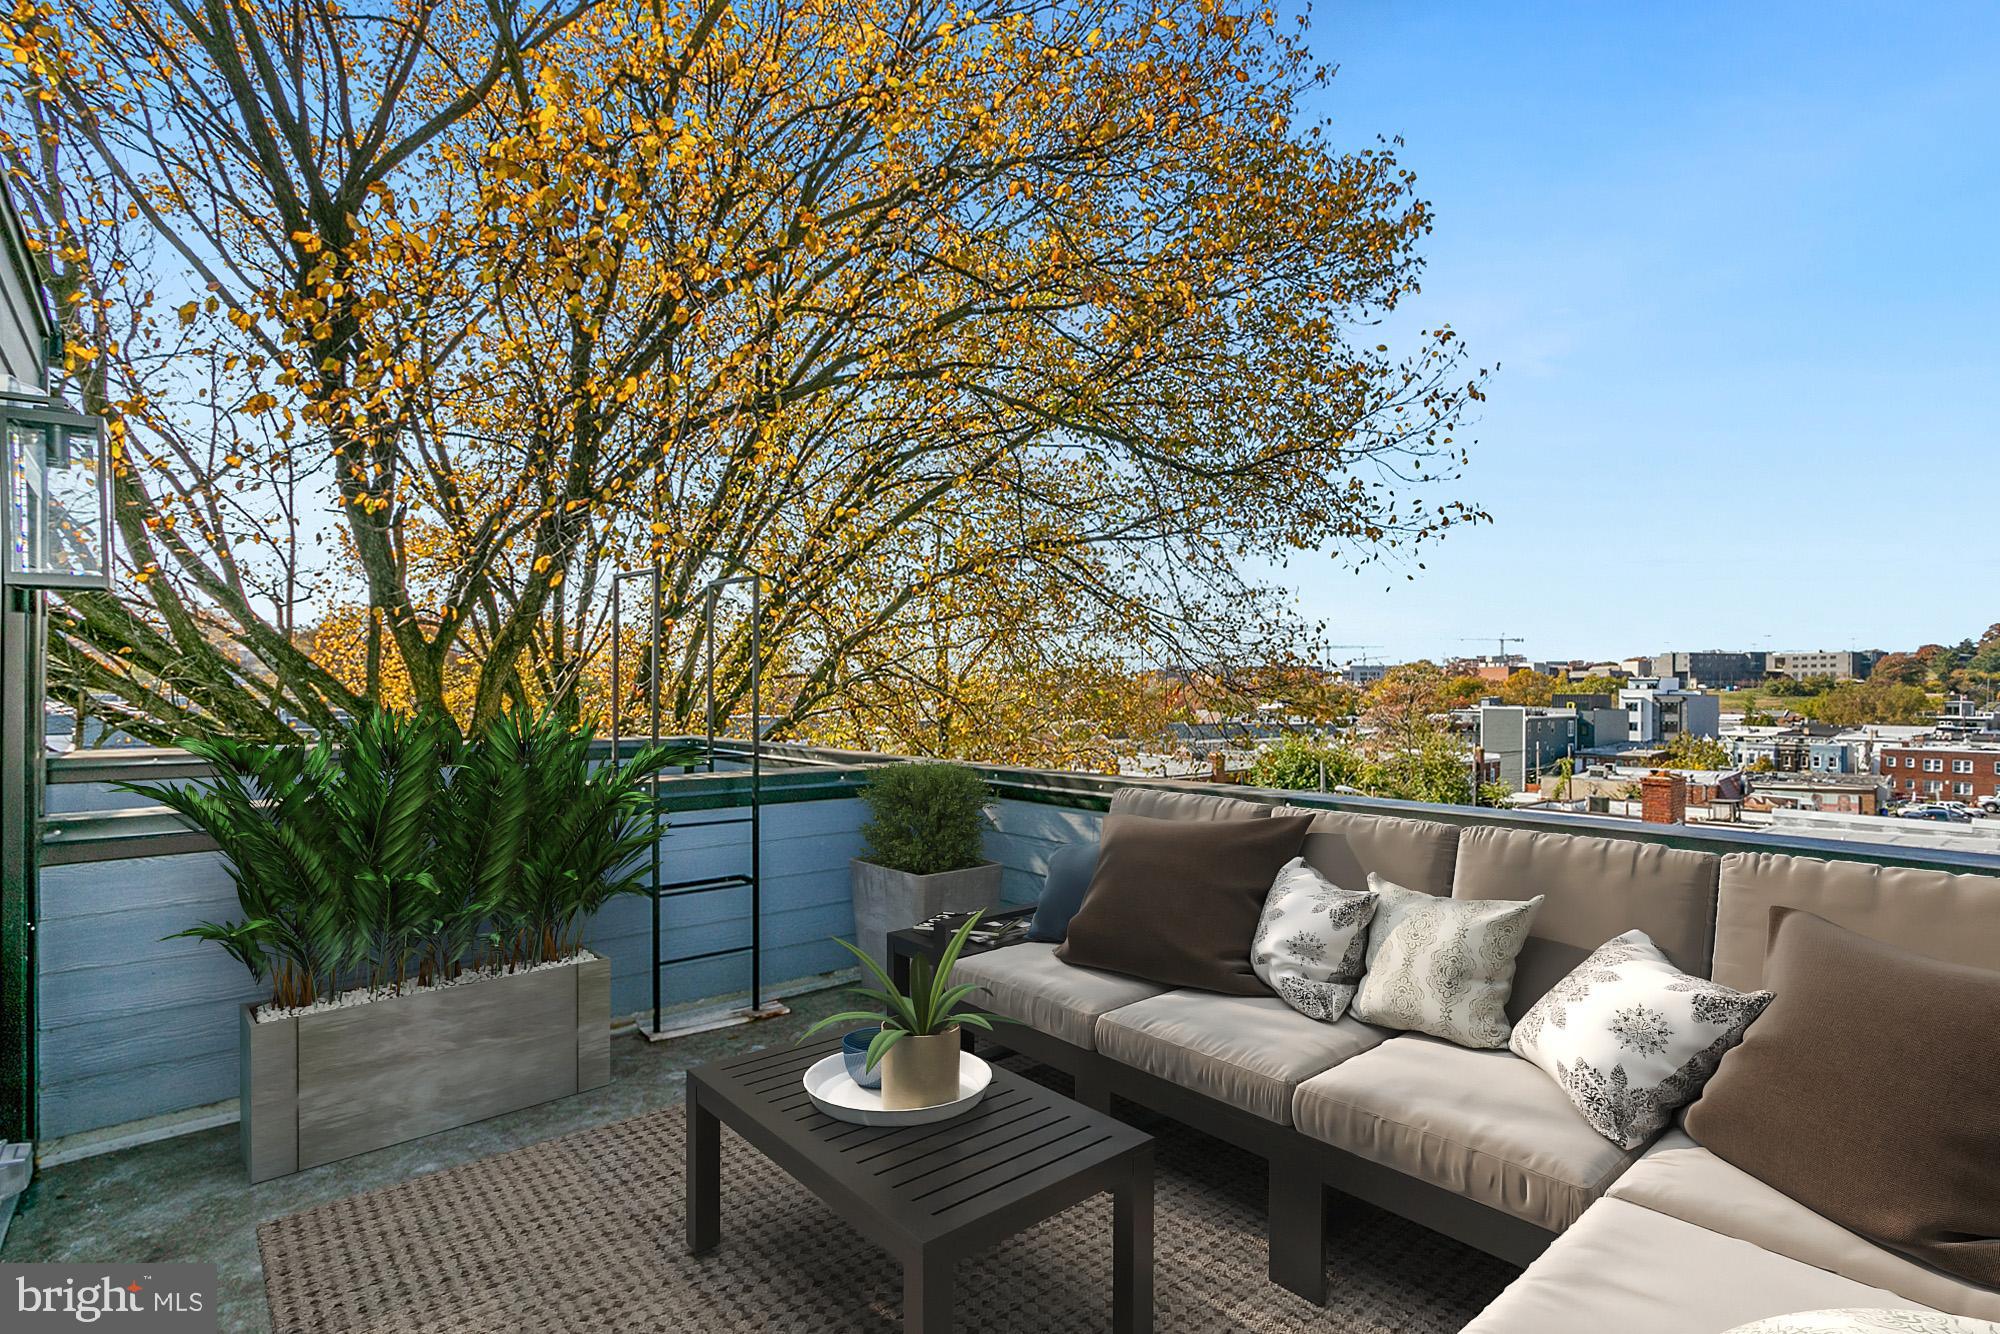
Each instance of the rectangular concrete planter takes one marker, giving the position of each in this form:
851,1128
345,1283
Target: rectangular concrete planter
886,900
334,1083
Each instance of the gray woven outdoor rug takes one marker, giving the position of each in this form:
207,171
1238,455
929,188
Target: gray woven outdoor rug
584,1233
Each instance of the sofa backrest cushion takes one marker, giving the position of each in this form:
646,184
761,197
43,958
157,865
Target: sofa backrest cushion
1346,848
1595,888
1159,804
1951,917
1868,1092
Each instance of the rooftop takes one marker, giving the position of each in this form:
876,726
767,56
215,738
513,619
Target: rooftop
140,1154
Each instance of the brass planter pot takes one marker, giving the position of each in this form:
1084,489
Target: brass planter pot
921,1071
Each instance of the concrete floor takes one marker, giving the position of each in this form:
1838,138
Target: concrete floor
185,1199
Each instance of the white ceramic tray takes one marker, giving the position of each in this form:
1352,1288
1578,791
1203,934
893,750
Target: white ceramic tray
833,1092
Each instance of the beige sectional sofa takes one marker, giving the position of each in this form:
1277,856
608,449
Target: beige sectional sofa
1482,1145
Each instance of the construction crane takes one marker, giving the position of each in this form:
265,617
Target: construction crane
1504,641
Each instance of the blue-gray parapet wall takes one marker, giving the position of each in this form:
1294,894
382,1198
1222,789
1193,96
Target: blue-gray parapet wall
132,1026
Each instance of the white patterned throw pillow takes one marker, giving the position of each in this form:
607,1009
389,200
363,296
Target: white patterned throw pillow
1442,966
1310,941
1857,1320
1630,1037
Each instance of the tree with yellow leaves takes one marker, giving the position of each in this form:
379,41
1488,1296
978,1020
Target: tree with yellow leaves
995,342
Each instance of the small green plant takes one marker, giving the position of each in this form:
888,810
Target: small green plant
1688,751
926,818
1300,764
931,1007
399,853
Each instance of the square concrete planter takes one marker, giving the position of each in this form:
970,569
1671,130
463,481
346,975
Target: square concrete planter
337,1082
886,900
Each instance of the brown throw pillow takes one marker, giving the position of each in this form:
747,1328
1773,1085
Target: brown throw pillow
1869,1091
1177,901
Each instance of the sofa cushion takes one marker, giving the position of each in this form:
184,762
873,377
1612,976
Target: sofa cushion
1627,1270
1483,1124
1177,901
1866,1320
1063,887
1164,805
1248,1051
1630,1038
1679,1177
1442,966
1027,982
1597,888
1869,1091
1946,916
1346,848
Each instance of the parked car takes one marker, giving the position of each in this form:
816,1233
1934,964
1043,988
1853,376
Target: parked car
1933,811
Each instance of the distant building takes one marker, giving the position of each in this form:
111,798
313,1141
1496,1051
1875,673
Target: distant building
1529,742
1487,667
1871,741
1845,794
1713,669
1839,665
1701,791
1760,746
1962,718
1658,709
1525,743
1943,771
1362,673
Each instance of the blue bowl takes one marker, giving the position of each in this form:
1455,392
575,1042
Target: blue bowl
854,1049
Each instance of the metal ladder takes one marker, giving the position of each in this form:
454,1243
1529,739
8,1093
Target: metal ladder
660,891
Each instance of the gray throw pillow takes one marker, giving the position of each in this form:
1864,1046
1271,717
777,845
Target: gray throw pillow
1442,966
1068,877
1630,1037
1311,940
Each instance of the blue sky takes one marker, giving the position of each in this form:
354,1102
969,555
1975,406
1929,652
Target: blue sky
1739,265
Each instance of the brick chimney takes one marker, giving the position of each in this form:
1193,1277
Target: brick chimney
1663,798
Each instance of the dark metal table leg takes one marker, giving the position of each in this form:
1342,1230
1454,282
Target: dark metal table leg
704,1177
1132,1252
927,1294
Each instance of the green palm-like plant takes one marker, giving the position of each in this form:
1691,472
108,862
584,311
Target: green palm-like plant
270,811
386,809
931,1006
549,838
404,844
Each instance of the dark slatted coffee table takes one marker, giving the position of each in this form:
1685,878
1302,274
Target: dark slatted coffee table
930,1194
